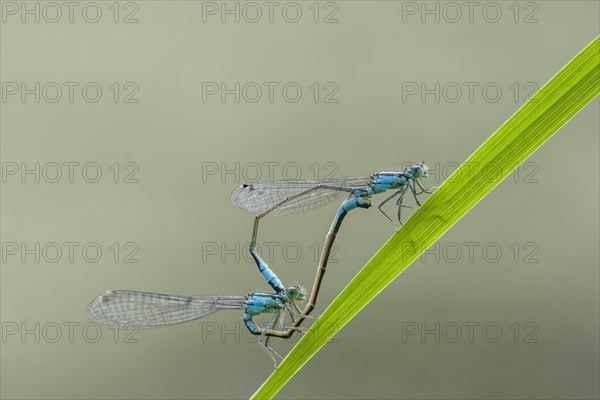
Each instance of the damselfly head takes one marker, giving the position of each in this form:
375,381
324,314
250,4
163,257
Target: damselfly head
419,170
295,292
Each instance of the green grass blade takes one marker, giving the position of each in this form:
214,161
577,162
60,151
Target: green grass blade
556,102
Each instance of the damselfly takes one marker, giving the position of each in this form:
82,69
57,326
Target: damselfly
138,310
290,197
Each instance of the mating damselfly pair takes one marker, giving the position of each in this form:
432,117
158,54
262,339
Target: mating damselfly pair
134,309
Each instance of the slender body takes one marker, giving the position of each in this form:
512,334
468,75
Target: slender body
298,315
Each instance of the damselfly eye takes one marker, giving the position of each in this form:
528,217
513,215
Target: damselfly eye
295,293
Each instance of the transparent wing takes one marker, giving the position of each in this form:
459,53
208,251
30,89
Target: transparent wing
258,197
126,308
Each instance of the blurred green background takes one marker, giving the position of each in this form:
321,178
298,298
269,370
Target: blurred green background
505,306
